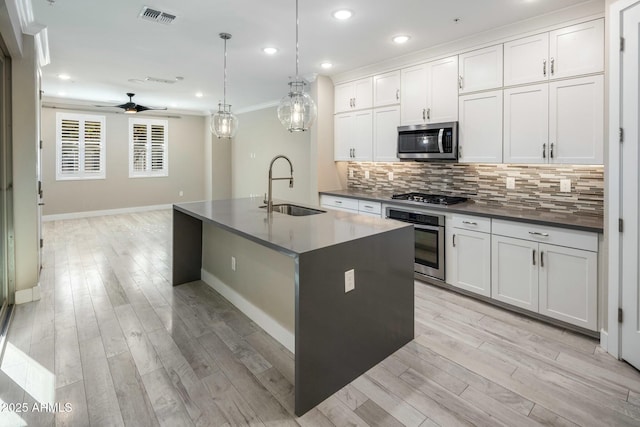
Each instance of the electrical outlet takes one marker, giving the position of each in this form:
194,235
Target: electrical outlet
233,263
349,280
351,173
181,193
366,174
511,183
390,176
565,185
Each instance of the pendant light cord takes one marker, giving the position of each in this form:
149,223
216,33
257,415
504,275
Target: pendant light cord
297,55
224,86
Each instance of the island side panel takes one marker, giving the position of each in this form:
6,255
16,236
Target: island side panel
187,248
339,335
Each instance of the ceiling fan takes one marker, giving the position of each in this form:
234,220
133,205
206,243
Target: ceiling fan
131,107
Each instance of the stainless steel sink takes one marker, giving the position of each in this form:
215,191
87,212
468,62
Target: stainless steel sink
294,210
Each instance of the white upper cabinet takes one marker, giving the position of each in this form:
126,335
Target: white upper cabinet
354,95
567,52
343,134
429,92
353,136
386,89
526,60
526,124
577,50
576,121
385,133
480,69
480,128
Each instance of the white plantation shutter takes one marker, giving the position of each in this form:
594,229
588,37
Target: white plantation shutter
148,147
80,143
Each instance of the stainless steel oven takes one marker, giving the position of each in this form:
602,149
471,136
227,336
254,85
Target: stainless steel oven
429,239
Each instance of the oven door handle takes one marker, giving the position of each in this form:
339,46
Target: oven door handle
427,227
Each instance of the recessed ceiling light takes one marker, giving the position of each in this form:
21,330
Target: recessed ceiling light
326,65
342,14
64,76
199,94
270,50
401,39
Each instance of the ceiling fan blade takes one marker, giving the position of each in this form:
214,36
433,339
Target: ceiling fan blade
126,105
141,108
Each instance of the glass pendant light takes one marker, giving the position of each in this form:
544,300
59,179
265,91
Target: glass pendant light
223,123
297,111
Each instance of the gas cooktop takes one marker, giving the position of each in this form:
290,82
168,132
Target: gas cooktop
437,199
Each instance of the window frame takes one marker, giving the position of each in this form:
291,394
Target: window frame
148,172
81,174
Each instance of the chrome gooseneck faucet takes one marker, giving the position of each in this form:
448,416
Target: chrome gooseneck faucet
268,199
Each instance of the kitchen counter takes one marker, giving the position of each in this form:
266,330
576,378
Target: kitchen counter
287,234
557,219
334,288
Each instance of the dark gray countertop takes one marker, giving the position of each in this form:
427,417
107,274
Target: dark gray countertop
572,221
287,234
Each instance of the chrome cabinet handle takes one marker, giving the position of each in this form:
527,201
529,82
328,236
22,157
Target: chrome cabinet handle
553,68
460,151
424,114
397,94
454,240
338,202
536,233
544,68
470,222
428,113
541,259
551,151
533,257
460,82
544,151
354,103
368,207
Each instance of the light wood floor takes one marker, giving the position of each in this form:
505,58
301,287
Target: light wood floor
111,337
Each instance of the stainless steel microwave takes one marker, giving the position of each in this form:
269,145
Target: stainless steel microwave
437,141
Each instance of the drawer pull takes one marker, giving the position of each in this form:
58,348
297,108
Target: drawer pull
536,233
533,257
338,202
470,222
454,240
541,259
368,207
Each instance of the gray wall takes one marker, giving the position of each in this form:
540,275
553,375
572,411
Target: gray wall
260,137
117,191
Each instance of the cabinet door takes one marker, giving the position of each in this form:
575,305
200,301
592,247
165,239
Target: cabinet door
514,272
481,69
385,133
526,60
577,50
480,128
343,134
413,95
343,97
363,136
386,89
569,285
472,261
576,121
526,124
442,90
363,93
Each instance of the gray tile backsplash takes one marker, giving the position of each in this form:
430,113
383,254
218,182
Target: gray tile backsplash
537,186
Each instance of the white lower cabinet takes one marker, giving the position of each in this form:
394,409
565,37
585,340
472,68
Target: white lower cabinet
549,270
469,254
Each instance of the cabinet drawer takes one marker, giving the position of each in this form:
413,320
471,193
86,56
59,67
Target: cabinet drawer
369,207
339,202
544,234
472,223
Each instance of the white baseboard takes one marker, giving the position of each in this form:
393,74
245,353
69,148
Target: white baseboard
88,214
604,340
27,295
262,319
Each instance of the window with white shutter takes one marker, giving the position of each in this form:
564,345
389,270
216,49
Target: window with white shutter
148,148
80,146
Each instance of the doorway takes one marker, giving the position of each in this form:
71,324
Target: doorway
624,183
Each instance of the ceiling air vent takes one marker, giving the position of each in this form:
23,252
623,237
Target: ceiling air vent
154,15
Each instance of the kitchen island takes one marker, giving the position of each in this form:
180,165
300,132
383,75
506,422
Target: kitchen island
334,288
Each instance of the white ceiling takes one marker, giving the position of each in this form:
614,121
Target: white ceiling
104,45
